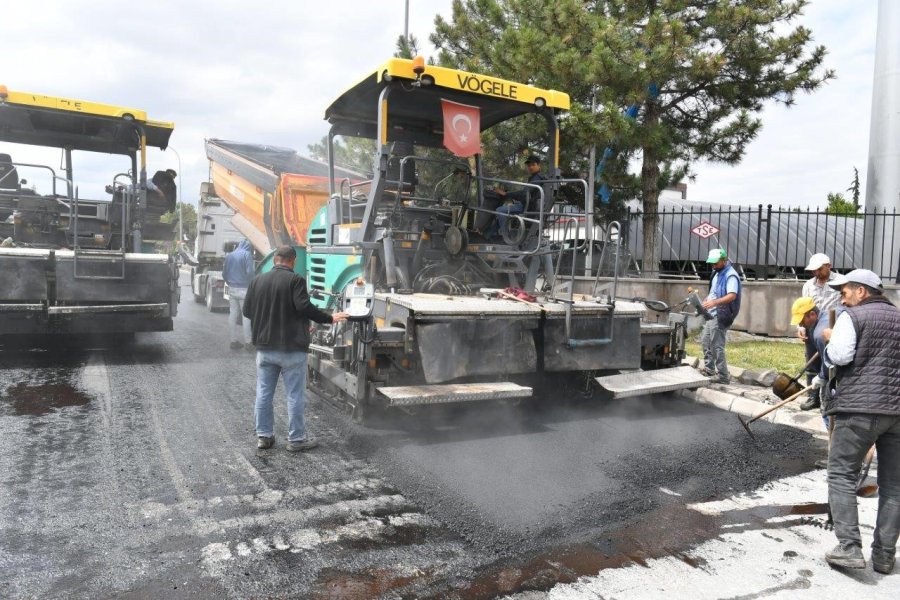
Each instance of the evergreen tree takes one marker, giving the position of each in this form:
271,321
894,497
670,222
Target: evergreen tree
407,47
854,188
700,71
355,154
187,212
838,205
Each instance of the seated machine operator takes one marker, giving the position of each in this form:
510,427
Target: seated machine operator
516,201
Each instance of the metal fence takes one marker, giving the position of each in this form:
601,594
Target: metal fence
764,242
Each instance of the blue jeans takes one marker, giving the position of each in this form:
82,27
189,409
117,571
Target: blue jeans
291,365
852,437
713,342
503,212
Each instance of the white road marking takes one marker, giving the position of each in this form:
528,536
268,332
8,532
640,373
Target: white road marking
363,528
268,498
208,526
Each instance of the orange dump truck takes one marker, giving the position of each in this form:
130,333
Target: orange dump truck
274,191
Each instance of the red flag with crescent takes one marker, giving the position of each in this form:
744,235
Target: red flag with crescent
462,128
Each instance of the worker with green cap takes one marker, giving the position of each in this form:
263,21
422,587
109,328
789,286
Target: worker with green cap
723,302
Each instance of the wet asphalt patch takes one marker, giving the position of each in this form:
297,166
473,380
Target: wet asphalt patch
39,399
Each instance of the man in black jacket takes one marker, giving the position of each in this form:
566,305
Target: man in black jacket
863,399
279,310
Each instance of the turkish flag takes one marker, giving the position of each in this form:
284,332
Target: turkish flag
462,128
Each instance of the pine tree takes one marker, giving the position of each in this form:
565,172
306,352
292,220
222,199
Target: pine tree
854,189
355,154
840,206
188,212
700,70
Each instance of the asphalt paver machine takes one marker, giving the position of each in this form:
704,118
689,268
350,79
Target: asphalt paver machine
70,264
439,312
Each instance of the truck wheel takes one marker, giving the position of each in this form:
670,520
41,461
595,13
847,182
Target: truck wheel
209,298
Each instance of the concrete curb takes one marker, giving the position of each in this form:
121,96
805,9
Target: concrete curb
747,407
734,400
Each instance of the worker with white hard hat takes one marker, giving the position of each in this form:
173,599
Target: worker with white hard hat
825,298
817,287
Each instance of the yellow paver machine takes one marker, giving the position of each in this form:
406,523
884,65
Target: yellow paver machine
71,264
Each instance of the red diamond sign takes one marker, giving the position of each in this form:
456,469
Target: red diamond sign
705,230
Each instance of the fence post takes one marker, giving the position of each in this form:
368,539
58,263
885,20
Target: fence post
768,239
759,221
631,248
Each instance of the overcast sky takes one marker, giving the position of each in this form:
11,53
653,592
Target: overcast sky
265,71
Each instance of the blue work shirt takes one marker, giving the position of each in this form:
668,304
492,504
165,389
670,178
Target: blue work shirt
732,285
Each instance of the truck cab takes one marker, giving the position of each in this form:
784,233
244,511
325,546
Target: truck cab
216,237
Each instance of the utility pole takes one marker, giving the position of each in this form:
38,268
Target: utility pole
406,22
883,179
589,204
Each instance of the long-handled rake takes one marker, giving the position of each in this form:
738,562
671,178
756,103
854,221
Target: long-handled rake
746,424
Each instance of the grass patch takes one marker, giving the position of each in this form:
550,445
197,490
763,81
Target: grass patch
768,354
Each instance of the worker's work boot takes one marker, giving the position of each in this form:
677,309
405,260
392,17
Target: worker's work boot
264,443
846,556
811,402
302,445
884,540
883,562
848,553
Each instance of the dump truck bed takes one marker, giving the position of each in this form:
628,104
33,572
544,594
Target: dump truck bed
275,192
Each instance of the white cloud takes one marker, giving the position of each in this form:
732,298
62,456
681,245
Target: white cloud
265,72
257,72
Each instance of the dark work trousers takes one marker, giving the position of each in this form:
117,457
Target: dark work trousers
813,369
852,437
